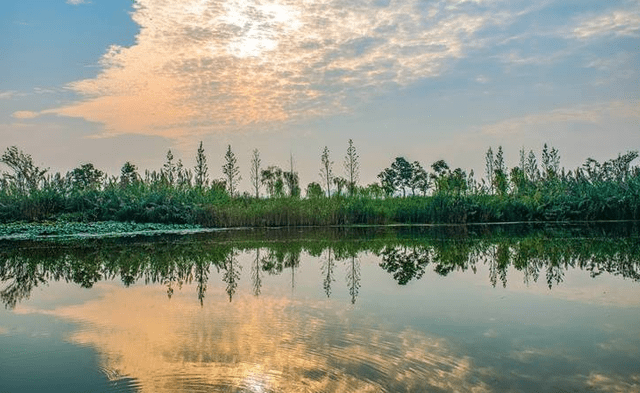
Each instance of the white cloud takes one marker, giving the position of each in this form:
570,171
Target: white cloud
25,115
5,95
617,23
201,65
594,113
76,2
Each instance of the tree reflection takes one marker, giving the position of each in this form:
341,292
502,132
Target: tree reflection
328,267
353,277
231,274
537,255
405,264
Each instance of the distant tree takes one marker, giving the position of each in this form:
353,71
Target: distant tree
531,167
550,162
489,161
255,172
388,181
457,181
500,181
404,174
326,172
292,180
231,171
169,169
86,177
352,168
374,190
128,174
272,179
340,183
201,169
183,176
419,179
314,190
440,175
26,176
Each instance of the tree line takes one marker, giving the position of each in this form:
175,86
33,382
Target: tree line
530,190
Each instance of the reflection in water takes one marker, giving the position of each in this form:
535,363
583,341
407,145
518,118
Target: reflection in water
328,266
264,341
260,345
178,263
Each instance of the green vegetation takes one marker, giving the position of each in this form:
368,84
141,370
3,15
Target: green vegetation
406,194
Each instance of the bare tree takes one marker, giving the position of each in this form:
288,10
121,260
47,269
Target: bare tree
352,168
326,173
255,172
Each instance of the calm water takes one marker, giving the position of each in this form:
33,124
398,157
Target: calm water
452,309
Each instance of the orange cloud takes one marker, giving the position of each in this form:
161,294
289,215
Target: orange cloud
200,65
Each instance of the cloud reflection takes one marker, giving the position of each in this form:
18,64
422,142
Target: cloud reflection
265,344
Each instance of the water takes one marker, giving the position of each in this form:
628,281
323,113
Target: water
447,309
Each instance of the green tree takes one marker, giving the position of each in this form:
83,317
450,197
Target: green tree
440,175
340,183
489,161
169,170
500,181
314,190
531,167
388,181
292,180
550,162
26,176
201,169
404,174
419,179
86,177
128,174
272,179
231,171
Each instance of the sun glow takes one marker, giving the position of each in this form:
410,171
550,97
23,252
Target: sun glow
260,26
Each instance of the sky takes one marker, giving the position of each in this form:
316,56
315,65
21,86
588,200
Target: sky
109,81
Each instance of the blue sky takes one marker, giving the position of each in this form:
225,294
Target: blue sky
110,81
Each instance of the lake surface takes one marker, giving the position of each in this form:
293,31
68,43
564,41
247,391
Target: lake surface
520,308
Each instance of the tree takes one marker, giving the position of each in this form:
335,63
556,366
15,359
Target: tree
291,179
419,179
86,177
128,174
326,173
272,179
404,173
231,171
255,172
169,169
26,176
388,180
352,168
201,176
314,190
531,167
440,175
500,181
340,183
488,158
550,162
